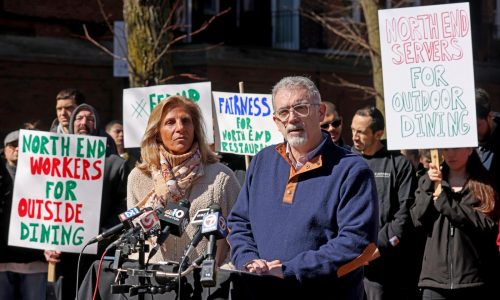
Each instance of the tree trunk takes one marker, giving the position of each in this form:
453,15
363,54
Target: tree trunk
370,12
144,20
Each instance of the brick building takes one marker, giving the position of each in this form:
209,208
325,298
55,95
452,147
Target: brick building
42,50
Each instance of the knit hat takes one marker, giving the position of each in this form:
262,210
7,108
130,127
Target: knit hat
11,137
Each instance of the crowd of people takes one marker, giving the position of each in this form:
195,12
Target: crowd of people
306,208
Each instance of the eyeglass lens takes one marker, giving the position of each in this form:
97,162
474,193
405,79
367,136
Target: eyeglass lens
301,110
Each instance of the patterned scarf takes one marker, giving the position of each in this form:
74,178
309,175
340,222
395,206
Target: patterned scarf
175,177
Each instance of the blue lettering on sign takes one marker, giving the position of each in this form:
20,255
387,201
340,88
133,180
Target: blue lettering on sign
244,106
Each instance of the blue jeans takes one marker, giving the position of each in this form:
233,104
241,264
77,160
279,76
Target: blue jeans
23,286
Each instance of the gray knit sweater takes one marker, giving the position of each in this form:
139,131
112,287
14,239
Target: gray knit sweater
217,185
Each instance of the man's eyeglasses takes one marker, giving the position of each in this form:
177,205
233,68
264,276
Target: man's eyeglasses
334,123
302,110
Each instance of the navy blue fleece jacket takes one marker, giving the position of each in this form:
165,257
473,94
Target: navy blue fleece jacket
314,219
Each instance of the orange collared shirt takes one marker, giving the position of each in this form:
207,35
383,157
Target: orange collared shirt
312,160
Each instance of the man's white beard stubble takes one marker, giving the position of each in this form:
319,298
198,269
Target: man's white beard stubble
296,141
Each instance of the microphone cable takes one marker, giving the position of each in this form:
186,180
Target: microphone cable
78,268
99,273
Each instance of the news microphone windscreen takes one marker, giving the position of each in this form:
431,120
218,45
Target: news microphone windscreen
214,224
176,216
126,219
197,220
128,216
149,223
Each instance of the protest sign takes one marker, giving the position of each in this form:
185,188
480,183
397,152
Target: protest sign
245,122
57,193
428,77
139,102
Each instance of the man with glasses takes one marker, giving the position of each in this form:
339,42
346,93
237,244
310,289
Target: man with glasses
394,275
306,207
332,123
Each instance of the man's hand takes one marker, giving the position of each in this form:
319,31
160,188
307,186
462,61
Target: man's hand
261,266
52,256
275,268
258,266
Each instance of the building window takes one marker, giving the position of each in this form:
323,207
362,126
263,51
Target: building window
184,18
285,22
497,20
356,11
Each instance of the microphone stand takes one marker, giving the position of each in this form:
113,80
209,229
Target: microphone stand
142,265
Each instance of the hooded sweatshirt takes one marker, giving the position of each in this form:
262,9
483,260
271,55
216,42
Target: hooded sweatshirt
114,191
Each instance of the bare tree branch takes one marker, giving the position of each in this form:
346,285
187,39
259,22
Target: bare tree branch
351,35
148,70
107,51
369,92
167,24
105,17
185,75
206,48
182,37
100,46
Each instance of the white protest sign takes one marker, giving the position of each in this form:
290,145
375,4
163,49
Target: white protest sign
57,193
245,122
138,103
428,77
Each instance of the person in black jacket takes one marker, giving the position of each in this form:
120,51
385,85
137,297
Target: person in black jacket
460,223
394,275
23,271
85,120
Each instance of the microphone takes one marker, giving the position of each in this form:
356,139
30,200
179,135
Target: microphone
198,221
174,221
214,227
126,222
214,223
200,214
149,222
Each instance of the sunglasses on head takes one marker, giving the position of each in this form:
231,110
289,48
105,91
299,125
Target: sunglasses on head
334,123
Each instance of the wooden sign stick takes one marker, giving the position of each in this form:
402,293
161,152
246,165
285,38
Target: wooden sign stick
51,273
247,158
436,160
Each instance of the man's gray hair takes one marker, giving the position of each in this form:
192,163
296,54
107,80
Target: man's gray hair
294,82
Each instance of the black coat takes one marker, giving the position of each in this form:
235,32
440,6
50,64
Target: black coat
11,254
397,265
460,250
